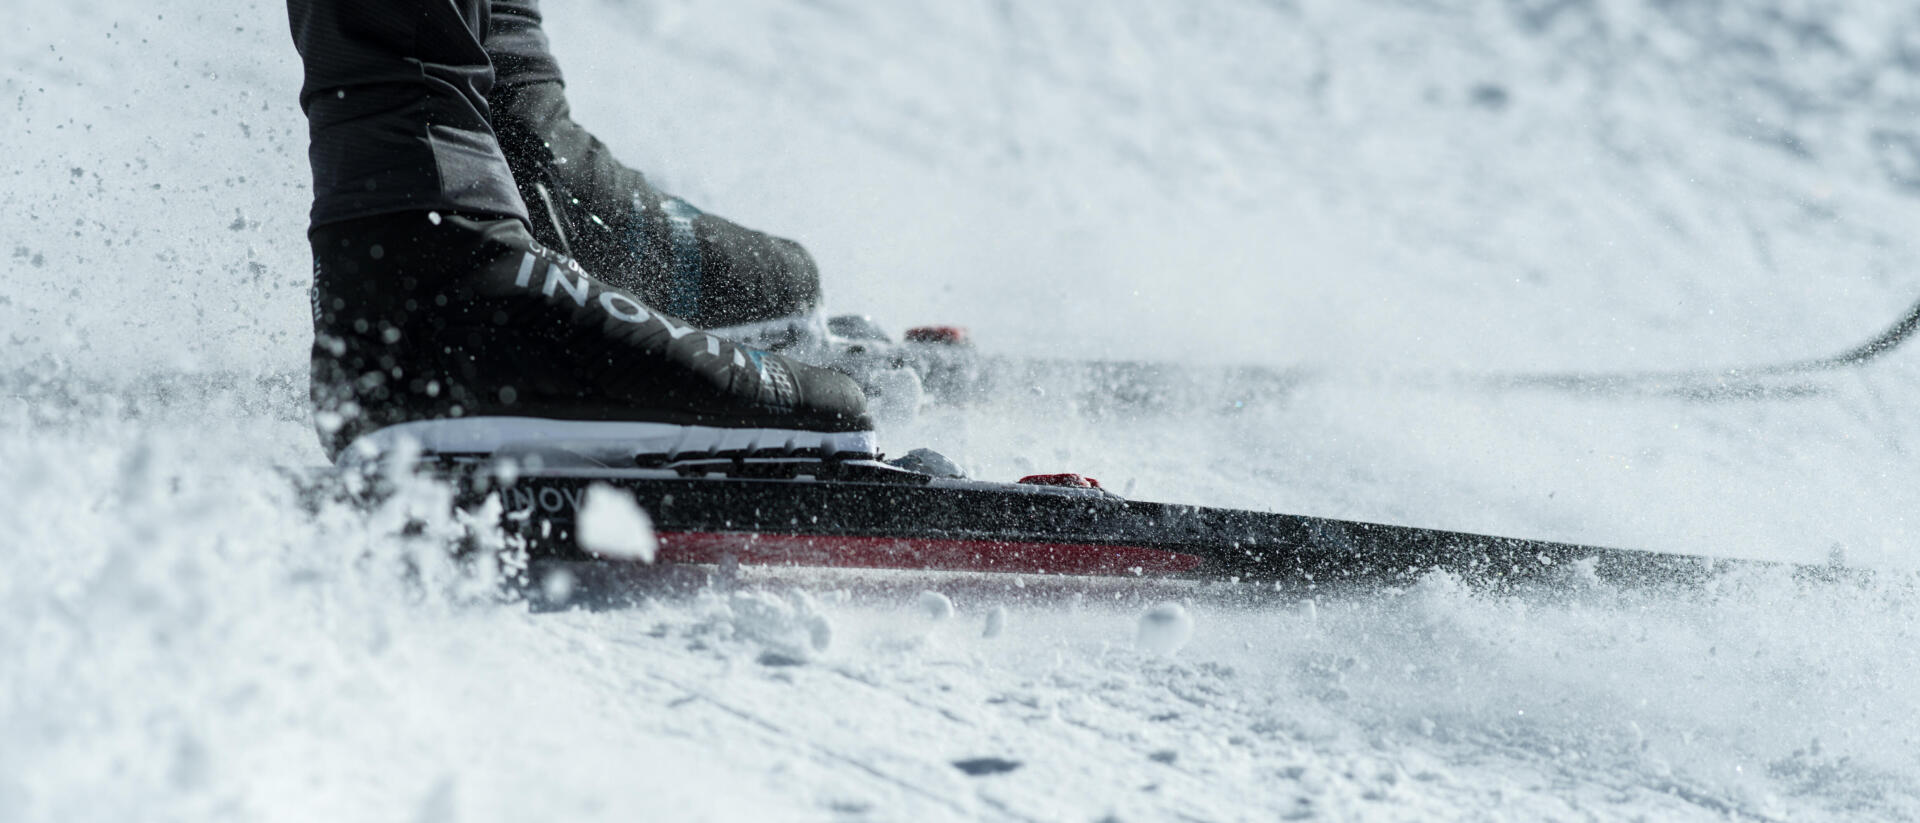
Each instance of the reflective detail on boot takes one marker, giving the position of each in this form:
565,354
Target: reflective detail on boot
776,382
525,277
576,289
580,289
555,218
683,294
623,307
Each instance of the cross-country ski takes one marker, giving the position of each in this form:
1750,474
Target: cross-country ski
502,410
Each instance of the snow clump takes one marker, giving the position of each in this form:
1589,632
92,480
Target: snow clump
612,525
790,630
935,606
996,623
1165,628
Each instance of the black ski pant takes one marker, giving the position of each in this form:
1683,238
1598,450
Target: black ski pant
410,104
397,102
458,106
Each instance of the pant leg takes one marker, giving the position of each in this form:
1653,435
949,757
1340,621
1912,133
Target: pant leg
396,97
700,267
545,146
518,46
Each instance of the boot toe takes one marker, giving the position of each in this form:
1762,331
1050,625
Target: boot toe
830,400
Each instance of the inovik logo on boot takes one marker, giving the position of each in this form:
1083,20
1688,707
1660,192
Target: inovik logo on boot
566,275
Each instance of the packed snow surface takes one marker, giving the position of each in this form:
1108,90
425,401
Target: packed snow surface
1381,192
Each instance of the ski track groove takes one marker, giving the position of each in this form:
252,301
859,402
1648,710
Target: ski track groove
797,742
1045,725
1097,708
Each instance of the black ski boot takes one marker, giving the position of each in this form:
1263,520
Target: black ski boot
466,337
701,268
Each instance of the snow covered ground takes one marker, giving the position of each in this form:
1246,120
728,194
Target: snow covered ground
1381,191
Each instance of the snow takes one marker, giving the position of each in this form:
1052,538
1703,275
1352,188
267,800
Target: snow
611,525
1381,191
996,623
789,629
1164,628
935,607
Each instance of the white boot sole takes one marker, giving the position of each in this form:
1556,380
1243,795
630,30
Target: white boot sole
605,440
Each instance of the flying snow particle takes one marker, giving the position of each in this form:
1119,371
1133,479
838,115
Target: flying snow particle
556,586
935,606
1165,628
895,396
612,525
996,622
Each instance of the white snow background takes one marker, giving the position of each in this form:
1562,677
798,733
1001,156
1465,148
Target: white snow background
1377,190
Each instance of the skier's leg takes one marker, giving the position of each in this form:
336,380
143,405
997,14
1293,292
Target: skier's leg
438,318
396,101
700,267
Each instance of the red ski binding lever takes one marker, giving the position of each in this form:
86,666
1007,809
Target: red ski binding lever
944,335
1069,480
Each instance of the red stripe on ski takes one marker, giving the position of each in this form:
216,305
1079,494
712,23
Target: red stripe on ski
919,553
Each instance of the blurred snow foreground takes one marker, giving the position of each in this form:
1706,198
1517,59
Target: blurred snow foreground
1373,189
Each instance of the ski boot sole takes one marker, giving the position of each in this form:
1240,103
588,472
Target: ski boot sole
607,442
